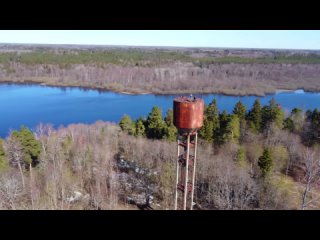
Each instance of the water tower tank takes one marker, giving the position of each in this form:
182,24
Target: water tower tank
188,113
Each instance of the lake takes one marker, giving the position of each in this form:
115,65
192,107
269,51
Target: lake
31,104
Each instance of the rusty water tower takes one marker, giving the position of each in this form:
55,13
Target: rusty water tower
188,118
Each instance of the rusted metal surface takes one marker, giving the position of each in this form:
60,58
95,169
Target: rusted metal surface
188,113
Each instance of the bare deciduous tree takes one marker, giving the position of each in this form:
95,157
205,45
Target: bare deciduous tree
15,155
10,191
312,175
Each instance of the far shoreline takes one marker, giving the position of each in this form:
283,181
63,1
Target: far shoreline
130,93
140,92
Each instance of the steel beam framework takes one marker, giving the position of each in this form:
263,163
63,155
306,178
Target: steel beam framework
185,170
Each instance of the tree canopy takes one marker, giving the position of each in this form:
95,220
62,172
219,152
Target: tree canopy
254,116
30,146
155,124
265,162
3,161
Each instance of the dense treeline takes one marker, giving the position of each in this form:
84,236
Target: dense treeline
154,127
221,127
143,58
163,71
254,158
117,57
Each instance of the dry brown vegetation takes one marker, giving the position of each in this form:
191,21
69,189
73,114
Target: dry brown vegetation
100,167
235,72
234,79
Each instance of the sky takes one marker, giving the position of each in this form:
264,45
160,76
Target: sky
276,39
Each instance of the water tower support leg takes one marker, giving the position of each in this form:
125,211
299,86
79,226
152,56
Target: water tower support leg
194,169
186,175
177,177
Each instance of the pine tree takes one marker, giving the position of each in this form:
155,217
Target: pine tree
265,162
169,117
277,114
140,128
265,118
315,126
233,128
288,124
309,114
296,111
207,131
155,124
254,116
295,121
213,114
30,146
224,130
211,122
170,130
133,128
272,114
3,161
241,157
170,133
240,110
125,123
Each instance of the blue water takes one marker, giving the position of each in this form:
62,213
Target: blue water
31,104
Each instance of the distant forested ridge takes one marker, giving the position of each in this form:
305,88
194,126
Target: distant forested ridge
160,70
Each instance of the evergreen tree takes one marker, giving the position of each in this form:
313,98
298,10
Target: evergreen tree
171,133
212,110
222,135
125,124
315,126
169,117
265,162
314,115
3,161
140,128
155,124
309,114
254,116
207,131
30,146
265,118
133,128
272,114
277,114
241,157
296,111
170,130
211,122
288,124
233,128
295,122
213,115
240,110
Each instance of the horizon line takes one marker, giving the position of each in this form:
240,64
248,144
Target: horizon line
157,46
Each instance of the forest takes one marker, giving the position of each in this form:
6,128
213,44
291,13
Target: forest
164,71
257,158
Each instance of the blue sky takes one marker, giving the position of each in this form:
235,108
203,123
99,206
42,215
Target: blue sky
298,39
